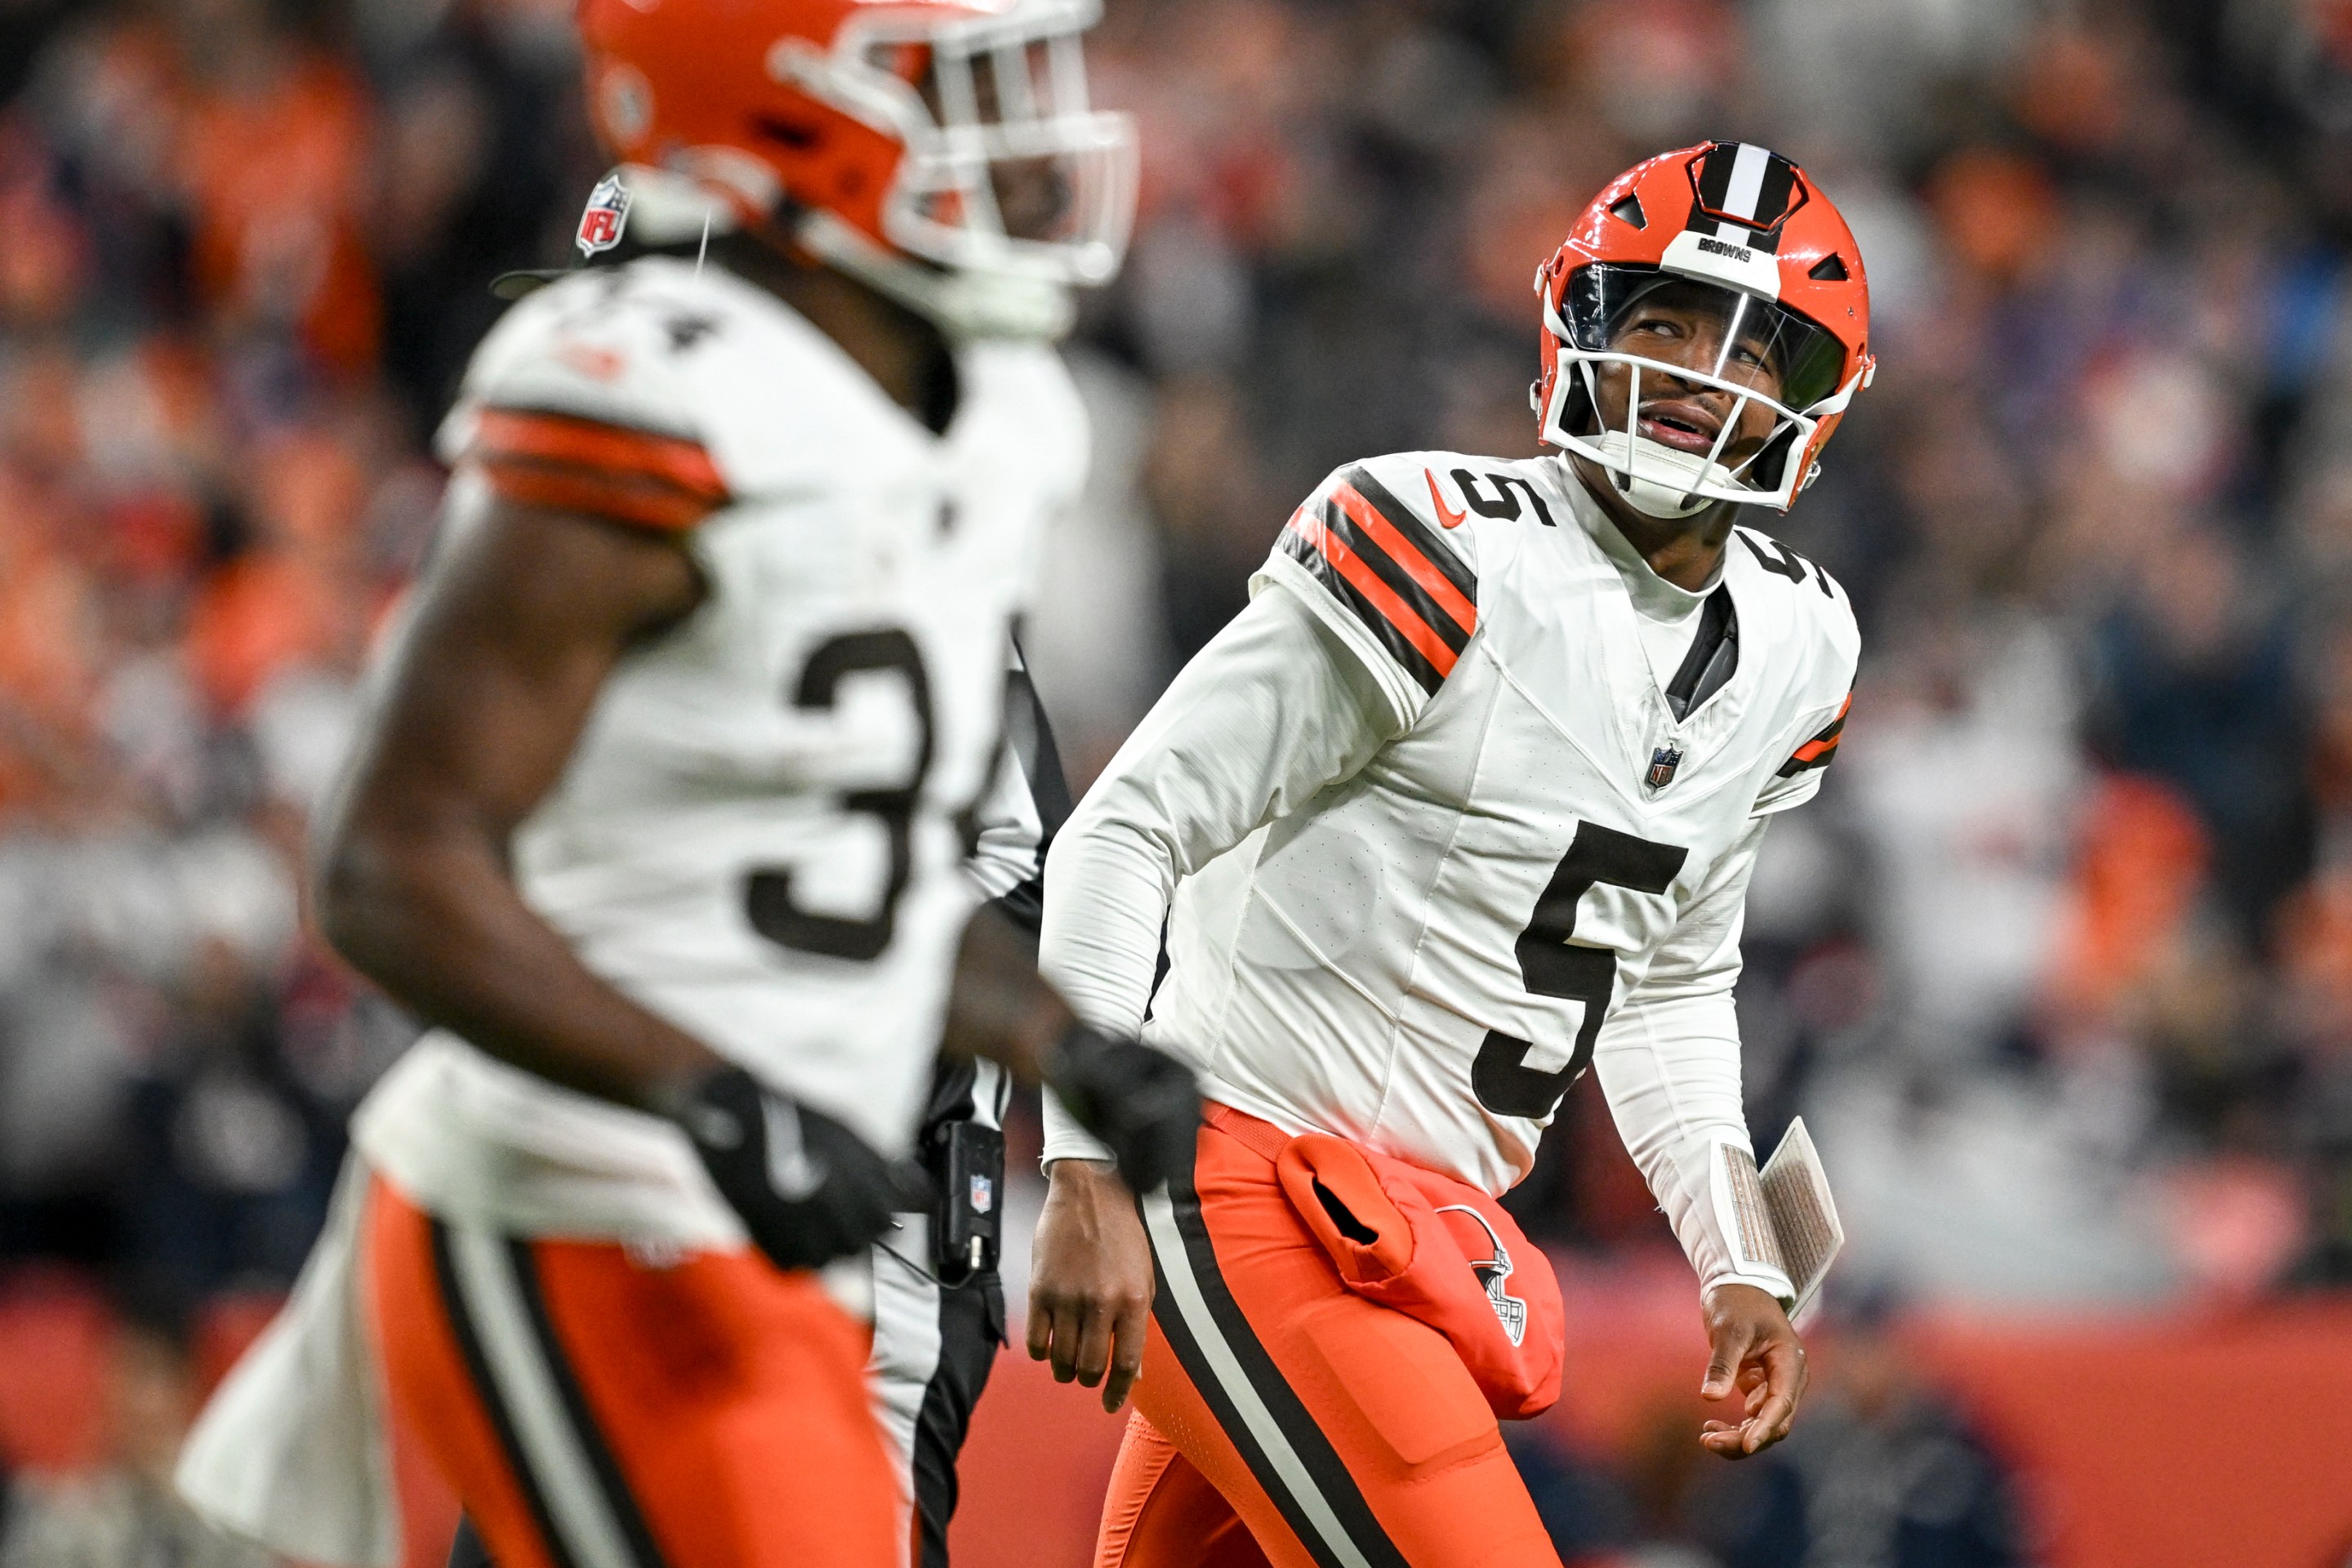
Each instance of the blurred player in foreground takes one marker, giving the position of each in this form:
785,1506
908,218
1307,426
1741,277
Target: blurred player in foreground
938,1298
1466,800
662,814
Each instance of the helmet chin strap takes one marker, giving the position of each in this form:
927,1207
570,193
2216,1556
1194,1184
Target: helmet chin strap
1643,458
961,304
1647,499
1651,477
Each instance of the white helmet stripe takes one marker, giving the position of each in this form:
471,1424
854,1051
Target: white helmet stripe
1748,167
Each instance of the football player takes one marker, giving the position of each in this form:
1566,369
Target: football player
1464,801
938,1300
662,811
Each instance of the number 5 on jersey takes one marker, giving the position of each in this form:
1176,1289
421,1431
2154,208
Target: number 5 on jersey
1550,965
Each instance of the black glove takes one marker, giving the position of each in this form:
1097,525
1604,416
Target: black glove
807,1189
1139,1101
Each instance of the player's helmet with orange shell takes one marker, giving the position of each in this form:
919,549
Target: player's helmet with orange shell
945,147
1738,233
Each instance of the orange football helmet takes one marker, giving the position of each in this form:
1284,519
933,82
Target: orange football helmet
883,134
1744,233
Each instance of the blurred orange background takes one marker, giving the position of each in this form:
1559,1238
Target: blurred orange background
2059,969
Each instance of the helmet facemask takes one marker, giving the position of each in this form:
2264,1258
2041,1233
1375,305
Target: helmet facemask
1738,425
991,112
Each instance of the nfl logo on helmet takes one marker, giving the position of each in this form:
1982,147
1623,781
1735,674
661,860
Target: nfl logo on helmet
607,217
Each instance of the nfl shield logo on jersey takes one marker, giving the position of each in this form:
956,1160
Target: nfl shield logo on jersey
607,216
1663,764
984,1194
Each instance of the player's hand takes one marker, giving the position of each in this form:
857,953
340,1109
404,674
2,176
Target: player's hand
1757,1355
1090,1281
1140,1102
807,1189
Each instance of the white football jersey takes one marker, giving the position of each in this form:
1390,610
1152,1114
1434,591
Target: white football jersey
760,834
1411,916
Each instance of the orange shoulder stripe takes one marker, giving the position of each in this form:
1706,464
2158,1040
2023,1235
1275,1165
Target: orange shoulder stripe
599,493
1825,742
1379,595
609,471
1367,516
567,439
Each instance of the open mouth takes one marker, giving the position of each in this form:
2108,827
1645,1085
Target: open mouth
1684,425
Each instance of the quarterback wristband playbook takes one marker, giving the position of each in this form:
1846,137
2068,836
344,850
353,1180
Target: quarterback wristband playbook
1142,1103
1781,1223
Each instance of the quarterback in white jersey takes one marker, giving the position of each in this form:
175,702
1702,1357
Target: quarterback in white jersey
662,811
1465,800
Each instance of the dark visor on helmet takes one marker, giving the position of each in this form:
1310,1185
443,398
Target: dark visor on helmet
1613,308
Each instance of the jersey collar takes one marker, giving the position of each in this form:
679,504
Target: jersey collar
1653,597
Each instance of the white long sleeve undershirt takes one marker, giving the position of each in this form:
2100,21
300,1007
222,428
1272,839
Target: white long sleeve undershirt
1268,713
1279,706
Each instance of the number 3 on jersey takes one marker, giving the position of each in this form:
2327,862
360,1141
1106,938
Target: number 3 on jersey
768,893
1550,966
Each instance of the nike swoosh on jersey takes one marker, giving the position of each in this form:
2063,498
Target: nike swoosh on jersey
1446,516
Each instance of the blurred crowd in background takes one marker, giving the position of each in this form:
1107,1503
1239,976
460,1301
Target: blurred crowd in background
2059,968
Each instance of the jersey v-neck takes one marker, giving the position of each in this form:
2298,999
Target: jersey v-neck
1710,659
1690,640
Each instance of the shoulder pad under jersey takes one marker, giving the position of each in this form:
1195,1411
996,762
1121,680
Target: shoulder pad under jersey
1388,550
1797,619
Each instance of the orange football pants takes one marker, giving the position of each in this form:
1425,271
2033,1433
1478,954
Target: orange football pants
596,1411
1283,1420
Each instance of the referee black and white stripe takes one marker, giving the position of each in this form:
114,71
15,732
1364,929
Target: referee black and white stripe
935,1343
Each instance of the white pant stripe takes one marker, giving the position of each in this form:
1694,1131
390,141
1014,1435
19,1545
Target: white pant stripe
1176,1271
990,1088
906,1344
526,1386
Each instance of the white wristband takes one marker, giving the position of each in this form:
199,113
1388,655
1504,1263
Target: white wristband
1751,1244
1064,1139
